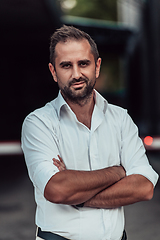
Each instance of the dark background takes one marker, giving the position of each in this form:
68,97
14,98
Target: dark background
26,84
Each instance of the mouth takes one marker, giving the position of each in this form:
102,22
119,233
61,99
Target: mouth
78,85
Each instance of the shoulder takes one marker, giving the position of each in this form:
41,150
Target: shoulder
46,115
122,120
116,108
119,117
113,113
116,112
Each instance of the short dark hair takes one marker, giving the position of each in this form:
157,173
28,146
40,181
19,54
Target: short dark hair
69,32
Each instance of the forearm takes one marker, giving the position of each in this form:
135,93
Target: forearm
74,187
129,190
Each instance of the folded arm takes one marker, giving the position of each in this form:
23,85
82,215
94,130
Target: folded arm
73,187
128,190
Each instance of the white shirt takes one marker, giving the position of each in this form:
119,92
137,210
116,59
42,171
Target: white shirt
112,140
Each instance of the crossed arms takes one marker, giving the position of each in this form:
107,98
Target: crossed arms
105,188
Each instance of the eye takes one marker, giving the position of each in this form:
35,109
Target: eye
66,66
84,63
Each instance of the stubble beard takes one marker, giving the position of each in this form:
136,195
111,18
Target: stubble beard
79,96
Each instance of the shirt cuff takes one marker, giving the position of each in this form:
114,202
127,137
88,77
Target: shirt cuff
146,171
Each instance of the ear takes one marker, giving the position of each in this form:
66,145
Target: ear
98,66
53,72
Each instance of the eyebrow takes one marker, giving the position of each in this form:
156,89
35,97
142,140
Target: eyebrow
80,61
65,62
84,61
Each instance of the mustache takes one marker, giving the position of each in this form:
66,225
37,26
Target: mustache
81,79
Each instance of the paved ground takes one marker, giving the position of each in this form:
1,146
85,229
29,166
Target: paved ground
17,206
143,219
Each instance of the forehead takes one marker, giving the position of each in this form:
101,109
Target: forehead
72,49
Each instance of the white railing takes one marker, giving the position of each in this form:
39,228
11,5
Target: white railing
14,148
10,148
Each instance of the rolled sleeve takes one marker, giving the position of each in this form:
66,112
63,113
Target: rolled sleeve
43,172
133,154
146,171
40,147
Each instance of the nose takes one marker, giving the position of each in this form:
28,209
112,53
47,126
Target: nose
76,72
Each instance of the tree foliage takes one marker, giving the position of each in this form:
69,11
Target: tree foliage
97,9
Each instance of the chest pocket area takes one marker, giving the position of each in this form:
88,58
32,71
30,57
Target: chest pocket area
109,148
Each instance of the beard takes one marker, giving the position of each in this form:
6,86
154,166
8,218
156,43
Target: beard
79,95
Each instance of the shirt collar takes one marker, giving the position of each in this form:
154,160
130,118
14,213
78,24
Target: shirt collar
100,102
59,103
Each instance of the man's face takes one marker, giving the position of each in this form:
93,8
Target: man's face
75,70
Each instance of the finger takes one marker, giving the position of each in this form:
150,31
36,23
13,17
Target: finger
59,163
61,169
62,163
56,162
61,160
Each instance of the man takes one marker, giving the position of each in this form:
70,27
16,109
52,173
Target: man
84,156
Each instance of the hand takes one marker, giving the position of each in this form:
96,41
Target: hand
59,164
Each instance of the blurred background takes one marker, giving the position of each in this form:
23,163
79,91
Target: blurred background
127,33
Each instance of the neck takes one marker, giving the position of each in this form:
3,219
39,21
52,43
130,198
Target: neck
83,110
